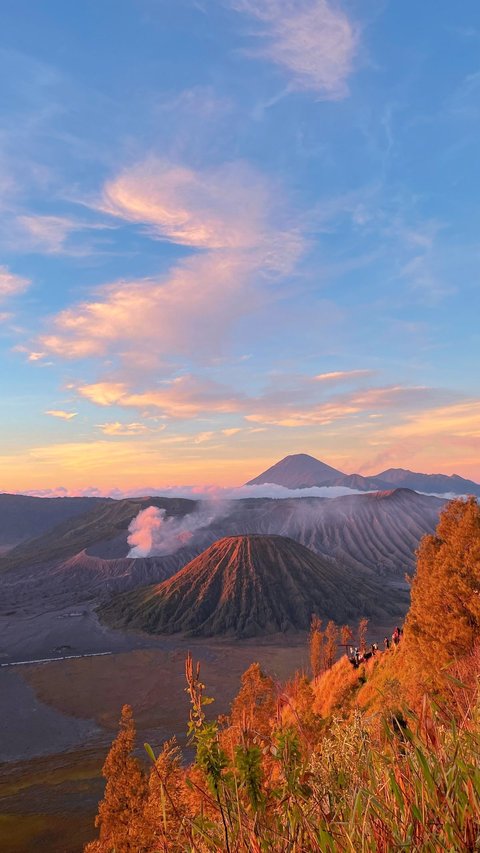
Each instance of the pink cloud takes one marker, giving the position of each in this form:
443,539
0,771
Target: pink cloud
190,396
239,225
12,284
342,375
60,413
220,208
319,415
116,428
160,315
277,409
183,397
312,40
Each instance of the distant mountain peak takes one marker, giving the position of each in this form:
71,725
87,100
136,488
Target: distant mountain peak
298,471
302,471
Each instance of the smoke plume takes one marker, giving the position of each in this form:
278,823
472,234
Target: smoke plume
153,533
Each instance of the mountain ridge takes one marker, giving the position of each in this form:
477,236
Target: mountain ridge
300,470
374,535
26,516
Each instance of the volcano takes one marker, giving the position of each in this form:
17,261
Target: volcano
249,586
298,471
301,471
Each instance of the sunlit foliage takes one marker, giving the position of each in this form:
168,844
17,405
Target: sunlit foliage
359,759
443,623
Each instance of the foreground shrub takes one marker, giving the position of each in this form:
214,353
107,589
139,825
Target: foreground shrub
377,759
416,788
443,623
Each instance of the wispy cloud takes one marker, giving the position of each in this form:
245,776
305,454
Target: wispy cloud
289,401
179,398
116,428
239,226
161,314
60,413
229,207
460,419
342,375
54,235
314,41
438,438
12,284
48,233
274,410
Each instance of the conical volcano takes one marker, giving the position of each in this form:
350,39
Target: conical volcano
247,586
298,471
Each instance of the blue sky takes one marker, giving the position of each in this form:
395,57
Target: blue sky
233,230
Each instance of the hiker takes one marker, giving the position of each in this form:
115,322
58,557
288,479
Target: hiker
386,643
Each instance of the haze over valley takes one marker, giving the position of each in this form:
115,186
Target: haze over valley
71,555
76,592
89,584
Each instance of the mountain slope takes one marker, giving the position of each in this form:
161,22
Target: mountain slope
101,528
373,534
298,471
362,484
248,586
24,517
436,483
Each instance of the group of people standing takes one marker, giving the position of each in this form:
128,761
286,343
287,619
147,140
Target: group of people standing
357,656
396,637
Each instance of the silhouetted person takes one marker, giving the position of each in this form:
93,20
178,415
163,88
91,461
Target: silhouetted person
386,643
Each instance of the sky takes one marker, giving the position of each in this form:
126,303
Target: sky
232,230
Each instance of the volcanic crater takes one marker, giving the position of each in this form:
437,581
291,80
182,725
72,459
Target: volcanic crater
248,586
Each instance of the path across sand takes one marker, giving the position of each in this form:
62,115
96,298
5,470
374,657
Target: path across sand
53,660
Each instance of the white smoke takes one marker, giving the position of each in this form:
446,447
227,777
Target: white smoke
152,532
